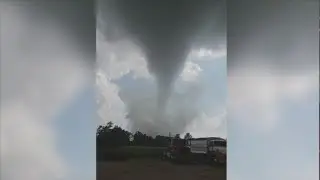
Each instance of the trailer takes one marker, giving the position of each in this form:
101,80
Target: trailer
210,149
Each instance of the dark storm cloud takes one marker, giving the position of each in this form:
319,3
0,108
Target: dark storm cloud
76,17
165,30
279,35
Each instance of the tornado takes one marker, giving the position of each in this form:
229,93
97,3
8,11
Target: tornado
166,30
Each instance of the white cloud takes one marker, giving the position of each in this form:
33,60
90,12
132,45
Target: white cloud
209,125
204,124
115,60
111,107
28,145
204,54
190,71
120,58
259,100
40,73
256,94
192,67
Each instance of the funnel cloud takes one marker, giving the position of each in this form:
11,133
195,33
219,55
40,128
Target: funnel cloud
166,31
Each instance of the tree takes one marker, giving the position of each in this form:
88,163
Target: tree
104,129
109,125
187,136
112,136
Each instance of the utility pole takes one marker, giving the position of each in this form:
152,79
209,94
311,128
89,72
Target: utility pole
170,138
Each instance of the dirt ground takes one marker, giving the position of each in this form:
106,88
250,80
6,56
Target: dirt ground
146,169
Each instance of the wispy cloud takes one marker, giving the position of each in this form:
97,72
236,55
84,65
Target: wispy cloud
256,94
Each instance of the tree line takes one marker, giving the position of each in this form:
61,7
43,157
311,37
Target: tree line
111,135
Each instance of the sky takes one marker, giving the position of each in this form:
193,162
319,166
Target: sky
46,98
273,90
269,116
198,93
204,73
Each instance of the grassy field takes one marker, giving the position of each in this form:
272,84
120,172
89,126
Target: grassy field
145,169
145,163
129,152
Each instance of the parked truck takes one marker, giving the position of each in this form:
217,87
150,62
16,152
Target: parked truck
212,149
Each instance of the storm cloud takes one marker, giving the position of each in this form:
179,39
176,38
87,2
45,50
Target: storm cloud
166,31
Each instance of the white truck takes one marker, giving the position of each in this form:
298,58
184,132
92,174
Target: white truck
214,148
